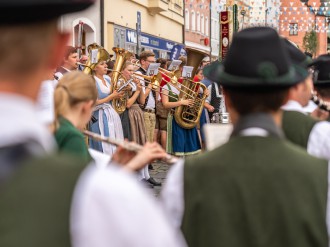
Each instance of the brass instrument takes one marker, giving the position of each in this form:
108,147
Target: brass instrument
154,81
127,145
188,116
102,55
118,80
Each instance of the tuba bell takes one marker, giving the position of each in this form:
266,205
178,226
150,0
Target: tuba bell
188,116
118,80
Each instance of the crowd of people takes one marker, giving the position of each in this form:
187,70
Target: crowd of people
268,185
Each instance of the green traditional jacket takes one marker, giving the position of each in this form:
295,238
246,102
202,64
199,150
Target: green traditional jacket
70,140
297,127
35,202
255,192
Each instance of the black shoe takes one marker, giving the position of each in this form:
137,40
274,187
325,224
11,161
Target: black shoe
147,184
154,182
150,167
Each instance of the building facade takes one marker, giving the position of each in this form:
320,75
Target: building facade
297,18
161,26
197,25
90,19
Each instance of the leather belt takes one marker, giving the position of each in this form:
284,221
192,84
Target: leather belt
149,110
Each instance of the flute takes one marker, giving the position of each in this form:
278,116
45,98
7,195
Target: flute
130,146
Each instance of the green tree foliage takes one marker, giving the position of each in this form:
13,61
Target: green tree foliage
310,42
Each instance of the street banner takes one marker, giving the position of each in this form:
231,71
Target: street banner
224,34
175,52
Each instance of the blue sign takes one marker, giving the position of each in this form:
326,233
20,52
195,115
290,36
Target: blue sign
150,41
176,52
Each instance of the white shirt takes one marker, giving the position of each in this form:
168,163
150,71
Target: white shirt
109,208
20,123
319,137
59,75
151,100
45,102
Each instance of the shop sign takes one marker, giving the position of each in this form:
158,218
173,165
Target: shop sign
148,40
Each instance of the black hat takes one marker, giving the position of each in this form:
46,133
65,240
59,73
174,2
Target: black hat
256,58
14,12
322,70
297,56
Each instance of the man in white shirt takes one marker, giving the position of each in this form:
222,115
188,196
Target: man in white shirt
52,200
69,62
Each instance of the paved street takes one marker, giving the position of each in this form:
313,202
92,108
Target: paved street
159,174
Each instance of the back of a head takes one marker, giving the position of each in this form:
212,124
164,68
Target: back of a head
73,88
145,54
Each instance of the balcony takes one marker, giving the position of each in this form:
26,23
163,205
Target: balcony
157,6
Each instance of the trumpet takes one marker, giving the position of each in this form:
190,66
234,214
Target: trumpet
130,146
154,80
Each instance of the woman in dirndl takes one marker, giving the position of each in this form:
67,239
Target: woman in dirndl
106,120
180,141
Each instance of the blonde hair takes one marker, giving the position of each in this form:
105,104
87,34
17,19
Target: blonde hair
26,47
73,88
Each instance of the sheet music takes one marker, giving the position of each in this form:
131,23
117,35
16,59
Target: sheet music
174,65
153,69
216,134
187,71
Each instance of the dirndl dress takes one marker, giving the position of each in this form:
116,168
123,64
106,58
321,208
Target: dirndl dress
108,122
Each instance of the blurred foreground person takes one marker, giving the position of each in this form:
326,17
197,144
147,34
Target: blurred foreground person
48,200
75,99
257,189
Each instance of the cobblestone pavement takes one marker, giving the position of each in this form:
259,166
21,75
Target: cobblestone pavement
159,173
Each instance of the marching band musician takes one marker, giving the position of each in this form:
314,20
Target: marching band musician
108,121
148,100
321,81
75,97
258,189
310,134
69,62
180,141
136,120
51,199
160,134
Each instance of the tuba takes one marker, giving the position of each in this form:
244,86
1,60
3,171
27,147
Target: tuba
117,80
188,116
102,55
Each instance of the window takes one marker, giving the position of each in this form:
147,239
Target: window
193,21
198,18
293,29
206,26
187,19
202,24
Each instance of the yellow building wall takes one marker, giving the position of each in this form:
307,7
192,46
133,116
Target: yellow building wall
167,24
